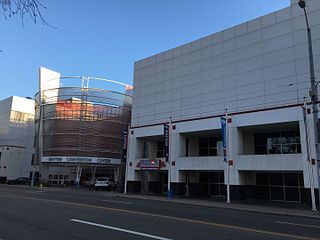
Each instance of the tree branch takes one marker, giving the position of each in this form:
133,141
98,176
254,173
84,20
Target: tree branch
33,8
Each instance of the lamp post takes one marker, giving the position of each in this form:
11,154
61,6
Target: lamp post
313,90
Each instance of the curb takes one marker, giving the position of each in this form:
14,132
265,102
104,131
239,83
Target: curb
312,215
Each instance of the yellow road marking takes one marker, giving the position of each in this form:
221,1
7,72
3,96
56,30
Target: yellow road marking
232,227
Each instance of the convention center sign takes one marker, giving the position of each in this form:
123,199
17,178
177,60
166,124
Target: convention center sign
81,160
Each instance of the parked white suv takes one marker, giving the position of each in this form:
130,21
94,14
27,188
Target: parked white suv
104,183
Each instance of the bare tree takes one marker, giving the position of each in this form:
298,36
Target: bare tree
33,8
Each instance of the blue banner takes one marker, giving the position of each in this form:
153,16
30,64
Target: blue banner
224,137
166,141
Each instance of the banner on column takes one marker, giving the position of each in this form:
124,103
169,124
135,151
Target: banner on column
124,144
224,137
166,141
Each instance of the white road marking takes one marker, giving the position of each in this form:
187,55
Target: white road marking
112,201
297,224
37,191
120,229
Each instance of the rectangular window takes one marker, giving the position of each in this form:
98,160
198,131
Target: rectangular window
279,186
208,146
277,143
145,151
160,149
187,147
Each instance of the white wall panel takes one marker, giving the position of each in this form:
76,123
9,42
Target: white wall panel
258,63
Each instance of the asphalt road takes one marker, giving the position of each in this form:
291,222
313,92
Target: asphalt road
28,213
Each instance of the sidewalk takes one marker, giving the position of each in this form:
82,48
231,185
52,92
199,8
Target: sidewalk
279,210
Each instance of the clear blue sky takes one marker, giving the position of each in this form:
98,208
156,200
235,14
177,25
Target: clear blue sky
103,38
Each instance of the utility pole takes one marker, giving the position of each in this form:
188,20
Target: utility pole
169,194
310,168
313,93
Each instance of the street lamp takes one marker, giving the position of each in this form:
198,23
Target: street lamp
313,90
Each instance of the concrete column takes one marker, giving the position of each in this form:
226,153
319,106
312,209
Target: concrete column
305,163
233,148
131,158
175,150
310,129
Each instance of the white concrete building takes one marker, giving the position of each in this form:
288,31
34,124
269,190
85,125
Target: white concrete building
16,137
259,72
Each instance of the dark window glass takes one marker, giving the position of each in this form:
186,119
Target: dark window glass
212,152
277,143
160,149
260,139
292,194
203,152
277,193
282,187
260,150
145,152
262,192
187,147
203,147
291,179
203,177
215,189
276,179
262,179
221,177
274,149
203,142
214,177
208,146
298,148
301,183
212,142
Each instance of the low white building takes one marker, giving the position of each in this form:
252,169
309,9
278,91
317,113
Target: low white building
258,72
16,137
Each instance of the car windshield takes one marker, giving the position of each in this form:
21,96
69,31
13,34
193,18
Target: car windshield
101,179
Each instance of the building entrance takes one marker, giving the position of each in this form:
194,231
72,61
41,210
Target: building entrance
154,181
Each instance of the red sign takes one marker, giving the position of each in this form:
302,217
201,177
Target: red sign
150,164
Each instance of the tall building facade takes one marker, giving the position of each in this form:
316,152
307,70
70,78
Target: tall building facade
16,138
79,127
256,73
